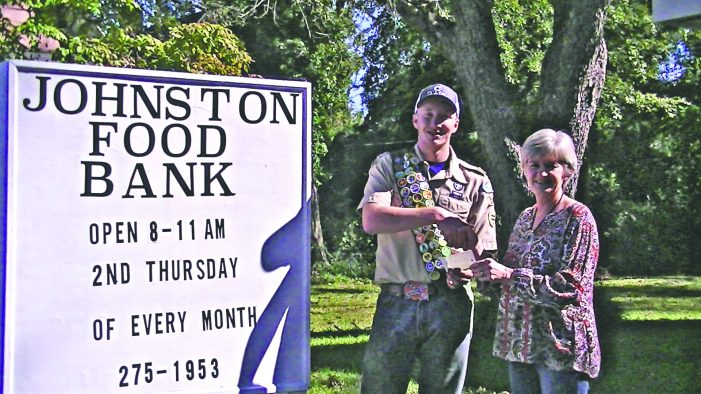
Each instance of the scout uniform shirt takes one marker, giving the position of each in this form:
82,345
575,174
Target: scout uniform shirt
460,188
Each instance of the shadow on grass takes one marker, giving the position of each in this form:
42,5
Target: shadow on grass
338,357
652,291
650,357
339,333
324,290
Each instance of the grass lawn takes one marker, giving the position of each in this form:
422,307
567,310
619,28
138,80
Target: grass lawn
650,334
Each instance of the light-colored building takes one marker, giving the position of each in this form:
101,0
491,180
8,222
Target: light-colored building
682,13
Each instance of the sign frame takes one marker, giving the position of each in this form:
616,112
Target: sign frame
283,321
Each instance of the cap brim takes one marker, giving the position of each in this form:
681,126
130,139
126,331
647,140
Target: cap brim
436,97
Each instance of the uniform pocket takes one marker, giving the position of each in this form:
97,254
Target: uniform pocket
459,207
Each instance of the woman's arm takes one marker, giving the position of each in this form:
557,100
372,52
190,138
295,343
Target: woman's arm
566,286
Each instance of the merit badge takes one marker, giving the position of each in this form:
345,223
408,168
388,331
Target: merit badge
487,187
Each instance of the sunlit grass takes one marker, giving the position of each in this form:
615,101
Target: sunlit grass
664,298
342,340
327,381
341,317
342,305
650,319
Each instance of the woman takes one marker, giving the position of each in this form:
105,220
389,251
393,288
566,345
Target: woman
545,322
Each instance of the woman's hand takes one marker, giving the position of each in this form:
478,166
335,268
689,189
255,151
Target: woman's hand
488,270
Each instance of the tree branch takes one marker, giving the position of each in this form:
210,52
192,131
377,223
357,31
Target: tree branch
577,58
577,33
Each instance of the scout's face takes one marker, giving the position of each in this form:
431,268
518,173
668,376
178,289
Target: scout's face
436,121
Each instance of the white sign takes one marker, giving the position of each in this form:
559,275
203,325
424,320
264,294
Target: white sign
156,231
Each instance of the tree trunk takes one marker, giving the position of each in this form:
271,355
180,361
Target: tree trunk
587,101
574,70
571,82
319,252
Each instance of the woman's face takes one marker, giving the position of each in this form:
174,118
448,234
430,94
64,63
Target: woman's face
545,176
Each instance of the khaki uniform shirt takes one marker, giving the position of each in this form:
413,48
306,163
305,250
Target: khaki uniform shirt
460,188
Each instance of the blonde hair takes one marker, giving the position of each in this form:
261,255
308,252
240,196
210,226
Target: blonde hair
547,142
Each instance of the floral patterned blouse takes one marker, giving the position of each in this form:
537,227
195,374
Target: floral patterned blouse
546,314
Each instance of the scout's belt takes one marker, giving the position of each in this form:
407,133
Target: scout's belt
415,291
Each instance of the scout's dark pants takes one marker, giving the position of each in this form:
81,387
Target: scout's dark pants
437,332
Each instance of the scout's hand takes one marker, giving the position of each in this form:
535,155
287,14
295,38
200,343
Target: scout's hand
488,270
455,277
458,234
441,214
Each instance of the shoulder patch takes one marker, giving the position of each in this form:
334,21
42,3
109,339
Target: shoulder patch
380,157
486,186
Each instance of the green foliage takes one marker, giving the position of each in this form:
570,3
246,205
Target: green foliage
159,17
646,242
353,252
199,48
524,32
302,39
100,32
206,48
643,184
307,39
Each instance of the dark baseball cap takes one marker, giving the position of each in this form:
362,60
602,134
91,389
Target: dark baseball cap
440,91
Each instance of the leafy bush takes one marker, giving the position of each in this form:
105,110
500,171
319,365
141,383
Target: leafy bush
196,47
354,254
649,239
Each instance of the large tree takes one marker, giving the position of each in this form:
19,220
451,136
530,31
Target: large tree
562,92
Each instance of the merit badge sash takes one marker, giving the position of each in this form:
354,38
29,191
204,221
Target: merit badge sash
415,191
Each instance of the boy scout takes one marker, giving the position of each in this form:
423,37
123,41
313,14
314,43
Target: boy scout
424,204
